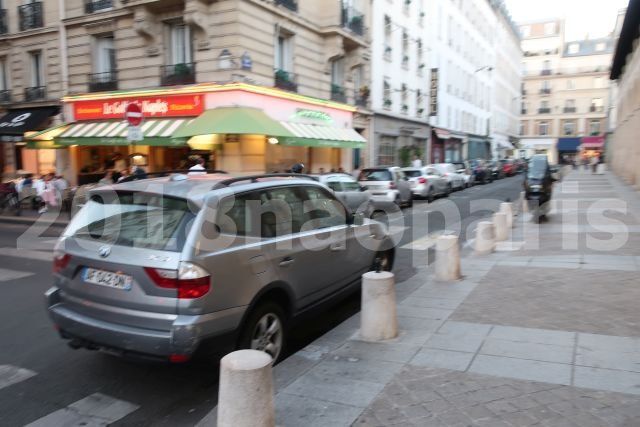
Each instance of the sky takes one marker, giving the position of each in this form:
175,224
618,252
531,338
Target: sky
594,17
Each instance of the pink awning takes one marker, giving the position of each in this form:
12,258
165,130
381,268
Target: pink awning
593,141
442,133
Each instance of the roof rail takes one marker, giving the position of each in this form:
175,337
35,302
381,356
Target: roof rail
255,178
161,174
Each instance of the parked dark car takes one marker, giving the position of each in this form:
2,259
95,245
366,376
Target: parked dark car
509,167
496,169
479,171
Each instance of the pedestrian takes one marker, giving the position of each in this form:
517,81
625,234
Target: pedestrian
198,168
297,168
594,163
60,183
416,163
48,195
107,179
124,174
322,171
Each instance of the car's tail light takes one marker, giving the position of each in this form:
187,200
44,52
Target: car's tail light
179,358
60,261
392,186
190,280
422,180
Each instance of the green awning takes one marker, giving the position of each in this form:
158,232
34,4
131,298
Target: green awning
43,145
313,135
233,120
156,132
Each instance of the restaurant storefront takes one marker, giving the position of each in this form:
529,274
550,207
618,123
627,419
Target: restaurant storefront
238,128
591,146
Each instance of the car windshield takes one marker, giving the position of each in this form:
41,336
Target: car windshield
537,168
138,220
375,175
413,173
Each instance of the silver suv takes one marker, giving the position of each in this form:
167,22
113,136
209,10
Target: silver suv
168,267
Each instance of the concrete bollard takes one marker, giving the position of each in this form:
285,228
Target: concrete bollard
485,238
500,225
600,168
246,390
507,209
524,207
447,258
378,319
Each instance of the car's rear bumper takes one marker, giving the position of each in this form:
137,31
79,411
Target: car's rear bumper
184,337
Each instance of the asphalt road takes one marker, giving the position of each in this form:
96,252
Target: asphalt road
166,395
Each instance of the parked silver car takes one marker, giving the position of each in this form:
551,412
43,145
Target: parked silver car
456,181
387,185
426,182
348,191
172,266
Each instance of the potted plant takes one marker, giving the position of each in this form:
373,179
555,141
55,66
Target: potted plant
420,111
387,103
405,108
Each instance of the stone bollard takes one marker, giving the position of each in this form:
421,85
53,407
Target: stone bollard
378,319
524,207
245,396
600,168
507,209
500,225
485,238
447,258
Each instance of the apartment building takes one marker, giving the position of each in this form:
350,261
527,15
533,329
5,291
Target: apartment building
565,92
399,82
305,50
623,150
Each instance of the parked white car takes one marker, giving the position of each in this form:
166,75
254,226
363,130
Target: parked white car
455,180
387,185
348,191
427,182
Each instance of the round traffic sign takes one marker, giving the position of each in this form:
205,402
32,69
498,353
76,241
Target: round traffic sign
133,114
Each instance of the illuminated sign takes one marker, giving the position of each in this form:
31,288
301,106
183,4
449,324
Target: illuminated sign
152,107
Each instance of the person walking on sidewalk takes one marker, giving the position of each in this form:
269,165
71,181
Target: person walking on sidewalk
49,194
594,163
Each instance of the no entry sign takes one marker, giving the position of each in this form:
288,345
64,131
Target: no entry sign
133,114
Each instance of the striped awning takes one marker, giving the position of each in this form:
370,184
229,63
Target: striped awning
322,136
156,132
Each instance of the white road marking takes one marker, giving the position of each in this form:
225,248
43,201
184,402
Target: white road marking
95,410
7,275
10,375
27,253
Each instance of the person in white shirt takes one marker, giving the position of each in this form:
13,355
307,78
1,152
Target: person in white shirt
416,163
198,168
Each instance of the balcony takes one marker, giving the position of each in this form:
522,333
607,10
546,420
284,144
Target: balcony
286,80
338,93
4,28
93,6
353,20
102,82
37,93
545,91
178,74
545,110
545,72
5,96
596,109
289,4
30,16
569,109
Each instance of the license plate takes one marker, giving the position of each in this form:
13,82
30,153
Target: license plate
107,278
413,184
379,194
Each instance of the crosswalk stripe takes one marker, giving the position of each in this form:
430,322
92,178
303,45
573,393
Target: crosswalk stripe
27,253
6,274
95,410
10,375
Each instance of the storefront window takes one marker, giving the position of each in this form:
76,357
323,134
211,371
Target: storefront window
386,151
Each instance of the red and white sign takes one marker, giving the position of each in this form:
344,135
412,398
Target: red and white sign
133,114
152,107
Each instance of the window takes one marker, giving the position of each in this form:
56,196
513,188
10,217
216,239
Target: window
405,49
594,127
546,65
3,74
543,128
282,212
37,78
574,48
597,105
324,210
549,28
571,84
570,103
233,219
180,44
544,104
600,46
386,93
283,53
104,55
569,128
91,6
522,128
386,151
546,85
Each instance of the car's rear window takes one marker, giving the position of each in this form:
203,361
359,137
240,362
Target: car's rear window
376,175
139,220
412,173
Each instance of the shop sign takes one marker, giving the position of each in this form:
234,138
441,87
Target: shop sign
303,113
433,99
152,107
17,121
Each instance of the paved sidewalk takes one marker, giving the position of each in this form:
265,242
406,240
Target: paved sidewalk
545,332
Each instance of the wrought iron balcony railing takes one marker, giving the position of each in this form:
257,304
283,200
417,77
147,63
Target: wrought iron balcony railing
37,93
101,82
353,20
178,74
286,80
30,16
93,6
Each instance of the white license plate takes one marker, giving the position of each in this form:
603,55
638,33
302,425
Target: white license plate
107,278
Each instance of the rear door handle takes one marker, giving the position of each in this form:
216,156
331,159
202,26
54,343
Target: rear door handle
337,247
286,262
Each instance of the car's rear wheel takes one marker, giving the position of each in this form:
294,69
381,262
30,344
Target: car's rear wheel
430,195
265,330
